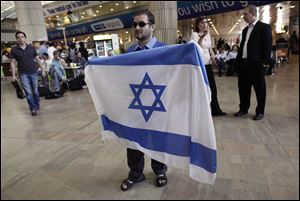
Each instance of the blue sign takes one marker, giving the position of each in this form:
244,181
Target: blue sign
192,9
95,26
185,10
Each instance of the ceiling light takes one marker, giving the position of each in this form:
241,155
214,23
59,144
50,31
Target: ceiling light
100,6
292,6
83,13
112,9
117,4
126,32
57,16
97,11
208,19
49,18
95,15
126,7
134,1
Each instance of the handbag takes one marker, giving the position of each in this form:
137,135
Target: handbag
19,90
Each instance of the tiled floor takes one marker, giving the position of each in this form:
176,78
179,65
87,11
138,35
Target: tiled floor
59,154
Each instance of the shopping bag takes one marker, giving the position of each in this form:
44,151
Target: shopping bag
19,90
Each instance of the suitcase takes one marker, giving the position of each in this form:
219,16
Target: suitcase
19,90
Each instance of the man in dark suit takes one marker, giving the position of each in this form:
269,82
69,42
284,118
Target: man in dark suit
255,51
144,26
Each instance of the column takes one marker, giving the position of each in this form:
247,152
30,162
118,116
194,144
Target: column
186,29
31,20
165,13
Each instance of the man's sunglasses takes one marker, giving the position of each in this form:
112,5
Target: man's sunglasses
141,24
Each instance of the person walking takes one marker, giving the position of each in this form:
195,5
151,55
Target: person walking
26,55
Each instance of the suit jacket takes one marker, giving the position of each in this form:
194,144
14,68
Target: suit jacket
259,44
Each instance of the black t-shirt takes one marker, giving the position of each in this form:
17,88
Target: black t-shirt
25,59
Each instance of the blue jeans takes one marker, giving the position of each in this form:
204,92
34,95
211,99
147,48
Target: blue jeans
30,86
57,75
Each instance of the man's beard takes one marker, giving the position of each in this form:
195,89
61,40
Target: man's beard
140,37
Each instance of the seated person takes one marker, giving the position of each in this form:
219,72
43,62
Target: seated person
46,63
80,61
231,58
57,74
5,57
221,58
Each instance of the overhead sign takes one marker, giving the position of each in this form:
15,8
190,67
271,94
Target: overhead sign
191,9
95,26
106,25
185,10
69,6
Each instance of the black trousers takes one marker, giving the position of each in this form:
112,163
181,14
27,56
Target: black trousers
215,107
136,162
252,74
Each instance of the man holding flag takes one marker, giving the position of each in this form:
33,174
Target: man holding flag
144,25
156,102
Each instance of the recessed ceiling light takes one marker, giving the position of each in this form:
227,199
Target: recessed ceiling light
100,6
117,4
292,6
112,9
97,11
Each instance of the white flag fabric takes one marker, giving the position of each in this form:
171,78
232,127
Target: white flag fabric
158,101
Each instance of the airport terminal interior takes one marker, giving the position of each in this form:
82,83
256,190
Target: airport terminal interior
59,153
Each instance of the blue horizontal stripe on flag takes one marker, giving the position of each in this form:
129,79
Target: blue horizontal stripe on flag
171,143
166,55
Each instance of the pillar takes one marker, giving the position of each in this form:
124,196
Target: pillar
165,13
31,20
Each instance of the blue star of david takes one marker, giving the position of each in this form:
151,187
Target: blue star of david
137,103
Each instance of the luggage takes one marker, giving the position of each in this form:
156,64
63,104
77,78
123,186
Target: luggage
19,90
75,84
43,91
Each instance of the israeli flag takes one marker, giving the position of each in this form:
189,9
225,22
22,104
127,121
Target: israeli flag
158,101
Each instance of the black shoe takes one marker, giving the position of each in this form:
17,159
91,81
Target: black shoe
161,180
128,184
258,117
240,113
57,95
33,112
221,113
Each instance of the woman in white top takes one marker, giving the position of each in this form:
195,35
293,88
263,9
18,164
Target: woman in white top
5,57
202,37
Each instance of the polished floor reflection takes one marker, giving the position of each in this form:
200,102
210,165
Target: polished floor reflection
58,154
